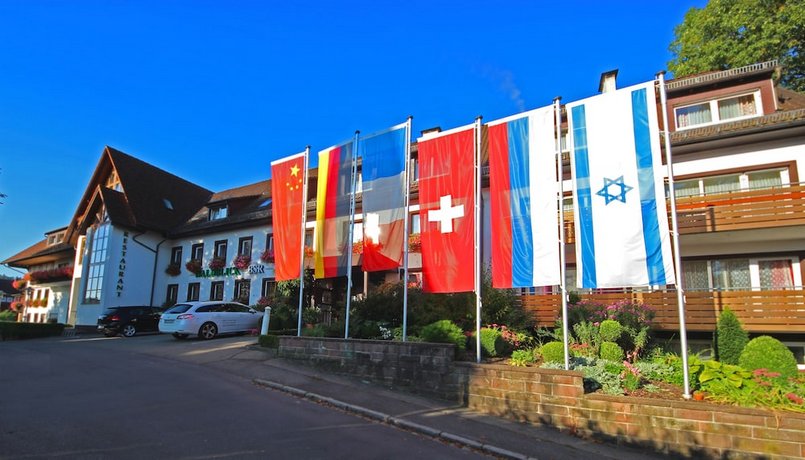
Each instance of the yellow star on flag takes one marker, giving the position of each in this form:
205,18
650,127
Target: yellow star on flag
294,170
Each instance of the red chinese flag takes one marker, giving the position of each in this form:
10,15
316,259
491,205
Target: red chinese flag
287,211
447,200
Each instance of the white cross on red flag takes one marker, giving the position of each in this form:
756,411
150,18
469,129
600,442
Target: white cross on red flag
446,200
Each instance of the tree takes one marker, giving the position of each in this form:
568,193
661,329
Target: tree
733,33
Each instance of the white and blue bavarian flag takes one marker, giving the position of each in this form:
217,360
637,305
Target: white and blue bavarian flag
622,236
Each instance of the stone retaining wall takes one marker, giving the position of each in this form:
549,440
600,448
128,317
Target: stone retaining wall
556,398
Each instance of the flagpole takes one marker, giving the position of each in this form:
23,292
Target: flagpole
477,217
680,294
351,230
562,269
302,247
406,229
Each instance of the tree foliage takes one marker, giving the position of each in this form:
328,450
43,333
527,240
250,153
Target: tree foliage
733,33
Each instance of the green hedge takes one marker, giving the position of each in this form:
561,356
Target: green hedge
15,331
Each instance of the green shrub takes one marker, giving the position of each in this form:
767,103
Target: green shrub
444,331
611,351
553,352
269,341
13,330
491,341
768,353
610,330
522,358
731,338
8,315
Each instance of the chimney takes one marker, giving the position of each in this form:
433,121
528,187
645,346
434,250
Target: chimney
430,132
608,81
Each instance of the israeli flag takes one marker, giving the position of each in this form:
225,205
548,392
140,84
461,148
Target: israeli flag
622,235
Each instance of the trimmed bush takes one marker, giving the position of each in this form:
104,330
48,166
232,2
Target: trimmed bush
12,330
611,351
731,338
610,330
768,353
444,331
491,341
8,315
553,352
269,341
522,358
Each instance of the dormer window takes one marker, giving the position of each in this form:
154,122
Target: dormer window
218,213
55,238
168,204
718,111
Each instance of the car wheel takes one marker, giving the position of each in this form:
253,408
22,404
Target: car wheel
129,330
208,331
176,335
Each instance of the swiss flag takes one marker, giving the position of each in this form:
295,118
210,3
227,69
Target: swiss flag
447,201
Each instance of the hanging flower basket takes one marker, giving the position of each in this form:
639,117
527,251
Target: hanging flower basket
267,256
193,266
415,243
53,274
357,247
18,284
173,269
264,301
309,251
217,263
242,261
17,306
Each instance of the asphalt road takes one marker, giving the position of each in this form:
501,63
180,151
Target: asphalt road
155,397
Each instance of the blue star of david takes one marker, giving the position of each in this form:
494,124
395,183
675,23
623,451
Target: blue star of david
609,197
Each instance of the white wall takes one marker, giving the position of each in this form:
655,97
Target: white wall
263,270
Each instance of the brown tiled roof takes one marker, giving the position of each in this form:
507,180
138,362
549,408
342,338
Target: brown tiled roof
117,208
244,207
790,99
147,188
767,122
39,249
245,191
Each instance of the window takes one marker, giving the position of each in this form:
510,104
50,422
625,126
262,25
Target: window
193,290
219,212
168,204
742,274
268,288
727,183
243,291
415,228
113,182
270,242
719,110
220,249
176,255
245,246
99,241
172,295
217,290
197,251
55,238
264,203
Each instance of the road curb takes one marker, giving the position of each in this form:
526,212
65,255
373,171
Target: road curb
390,420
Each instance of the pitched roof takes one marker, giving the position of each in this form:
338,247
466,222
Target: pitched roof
156,199
40,249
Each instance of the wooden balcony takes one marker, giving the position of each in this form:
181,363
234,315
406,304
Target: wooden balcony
780,311
764,208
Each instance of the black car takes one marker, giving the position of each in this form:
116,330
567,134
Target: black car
129,320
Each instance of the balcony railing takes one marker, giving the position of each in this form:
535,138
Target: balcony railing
758,311
742,210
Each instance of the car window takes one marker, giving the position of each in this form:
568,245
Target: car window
206,308
136,312
180,308
238,308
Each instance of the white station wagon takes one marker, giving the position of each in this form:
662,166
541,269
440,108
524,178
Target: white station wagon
208,319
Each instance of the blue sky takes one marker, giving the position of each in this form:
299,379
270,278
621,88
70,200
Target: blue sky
212,91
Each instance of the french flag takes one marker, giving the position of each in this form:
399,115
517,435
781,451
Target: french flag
523,190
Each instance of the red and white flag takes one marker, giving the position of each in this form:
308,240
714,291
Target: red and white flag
446,210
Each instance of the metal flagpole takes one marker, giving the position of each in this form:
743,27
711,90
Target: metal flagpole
562,270
406,226
351,230
680,294
302,248
477,218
